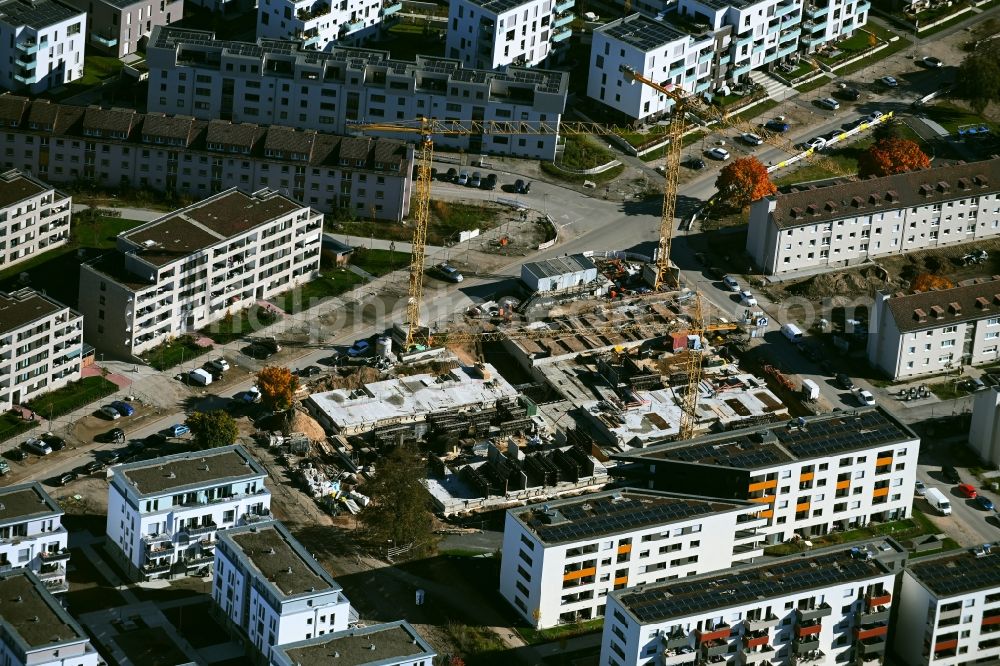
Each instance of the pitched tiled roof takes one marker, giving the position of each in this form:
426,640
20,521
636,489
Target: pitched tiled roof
228,134
12,108
286,141
874,195
932,309
109,120
175,127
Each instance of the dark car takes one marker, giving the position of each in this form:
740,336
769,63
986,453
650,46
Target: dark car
451,175
66,478
93,466
55,443
310,371
490,183
850,94
695,163
950,474
111,457
259,352
776,125
844,382
522,187
113,435
17,454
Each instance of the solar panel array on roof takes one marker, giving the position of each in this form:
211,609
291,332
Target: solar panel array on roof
742,453
843,433
959,574
642,32
690,597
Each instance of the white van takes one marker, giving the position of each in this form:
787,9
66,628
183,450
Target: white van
792,332
937,500
200,377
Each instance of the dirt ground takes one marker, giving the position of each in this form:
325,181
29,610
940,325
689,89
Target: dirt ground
90,426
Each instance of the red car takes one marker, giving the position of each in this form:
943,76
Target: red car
967,490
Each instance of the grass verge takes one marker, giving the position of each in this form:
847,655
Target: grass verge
582,152
813,85
908,528
72,396
173,352
448,218
688,140
951,117
534,636
12,425
333,282
379,262
237,324
891,49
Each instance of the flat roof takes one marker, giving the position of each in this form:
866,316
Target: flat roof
777,444
36,14
16,186
710,592
29,612
961,573
642,32
573,263
186,470
367,646
27,501
499,6
206,223
616,512
20,308
280,559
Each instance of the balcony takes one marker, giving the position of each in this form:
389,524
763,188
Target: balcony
715,648
562,20
51,572
862,7
391,8
763,623
807,644
784,10
756,639
565,6
26,77
877,614
58,556
721,632
760,656
880,599
872,646
352,26
562,35
789,34
871,633
311,40
153,569
807,630
676,640
812,11
195,530
27,46
199,560
105,41
990,620
27,63
809,614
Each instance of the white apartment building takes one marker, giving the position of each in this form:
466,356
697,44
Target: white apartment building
165,514
563,558
117,27
189,268
34,217
487,34
825,21
813,475
41,344
35,630
984,431
655,49
193,73
41,44
32,536
389,644
828,606
272,590
371,177
949,610
318,24
856,222
931,332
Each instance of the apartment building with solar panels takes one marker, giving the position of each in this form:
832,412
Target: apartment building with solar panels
949,610
282,82
812,475
561,559
828,606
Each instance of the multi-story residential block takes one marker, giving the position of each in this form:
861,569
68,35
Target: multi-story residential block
272,590
165,514
826,21
32,536
41,44
813,475
561,559
34,217
487,34
984,431
41,345
189,268
321,23
935,331
35,630
116,27
828,606
851,223
389,644
371,177
193,73
949,610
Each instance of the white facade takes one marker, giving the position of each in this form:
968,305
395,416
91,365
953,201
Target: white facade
320,23
824,22
192,267
812,478
34,217
192,73
32,536
117,27
561,560
933,332
395,644
824,607
486,34
658,51
852,223
41,344
41,44
560,273
984,432
35,630
272,590
949,610
164,514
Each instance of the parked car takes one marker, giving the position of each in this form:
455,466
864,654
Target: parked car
816,143
718,153
522,187
850,94
889,81
112,457
123,408
93,466
476,180
747,299
359,348
829,103
220,364
932,62
55,443
310,371
919,487
66,478
463,178
177,430
950,474
865,398
844,382
873,116
777,125
695,163
259,352
109,413
451,175
985,503
449,273
966,490
751,139
4,468
17,454
36,446
491,182
731,283
114,435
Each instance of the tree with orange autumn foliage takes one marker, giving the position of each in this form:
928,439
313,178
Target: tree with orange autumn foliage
277,387
892,155
930,282
743,181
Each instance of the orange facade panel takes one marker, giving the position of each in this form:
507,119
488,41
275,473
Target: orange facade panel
946,645
802,507
846,483
874,632
880,492
580,573
766,514
881,462
763,485
621,581
624,548
806,476
991,620
767,499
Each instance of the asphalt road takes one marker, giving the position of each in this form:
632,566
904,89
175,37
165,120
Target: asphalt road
968,523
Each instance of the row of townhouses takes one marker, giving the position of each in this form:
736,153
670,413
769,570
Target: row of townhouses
281,82
369,177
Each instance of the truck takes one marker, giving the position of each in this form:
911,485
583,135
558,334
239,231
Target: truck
810,390
937,500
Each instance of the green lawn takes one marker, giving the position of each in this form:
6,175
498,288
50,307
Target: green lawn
534,636
891,49
448,218
951,116
638,139
97,67
900,530
334,282
805,174
582,152
379,262
948,390
813,85
839,162
756,110
173,352
12,425
237,324
804,68
72,396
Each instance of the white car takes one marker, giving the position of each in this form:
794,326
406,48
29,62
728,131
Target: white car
731,283
109,413
747,299
865,398
829,103
817,143
719,154
751,139
890,81
220,364
873,116
919,487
